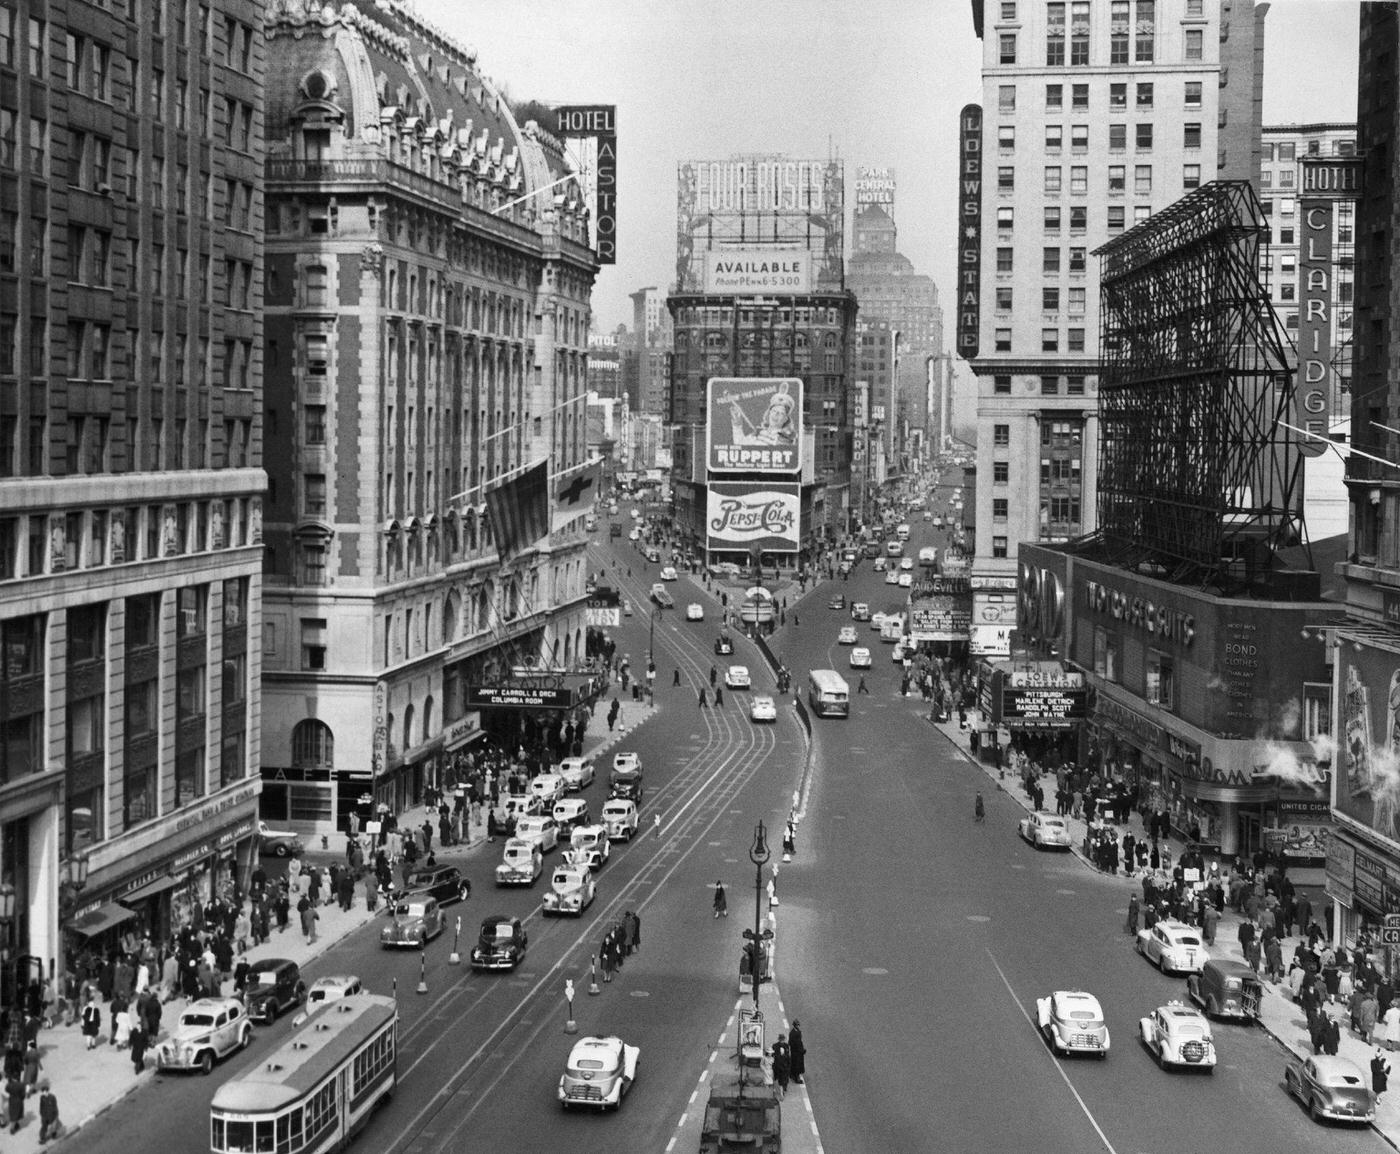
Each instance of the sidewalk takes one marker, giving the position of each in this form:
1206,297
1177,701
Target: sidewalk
1279,1015
86,1083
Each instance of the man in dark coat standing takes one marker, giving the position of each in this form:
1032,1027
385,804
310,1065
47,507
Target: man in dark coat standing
798,1049
137,1039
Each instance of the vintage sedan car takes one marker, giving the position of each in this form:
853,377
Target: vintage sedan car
571,891
652,555
846,635
1045,831
668,573
906,581
877,621
413,924
695,612
329,989
521,863
443,882
1226,989
569,813
548,787
860,611
892,577
274,985
279,842
540,828
880,565
737,677
763,708
1179,1035
837,602
1331,1087
577,772
661,595
501,944
1072,1022
207,1030
634,535
1173,947
599,1073
723,645
906,564
860,657
589,846
620,817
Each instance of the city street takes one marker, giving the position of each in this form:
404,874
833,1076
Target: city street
480,1054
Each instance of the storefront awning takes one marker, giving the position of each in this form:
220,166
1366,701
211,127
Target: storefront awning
150,889
104,917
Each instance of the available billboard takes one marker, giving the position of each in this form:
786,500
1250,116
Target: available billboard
750,515
755,271
754,425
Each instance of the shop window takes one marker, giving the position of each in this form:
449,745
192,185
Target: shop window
1161,680
1105,654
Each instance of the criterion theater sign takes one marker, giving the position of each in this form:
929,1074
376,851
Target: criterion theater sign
1039,699
754,424
745,515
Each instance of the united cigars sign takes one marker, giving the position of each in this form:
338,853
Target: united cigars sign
744,515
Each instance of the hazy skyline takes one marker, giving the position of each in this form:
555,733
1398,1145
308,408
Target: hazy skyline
879,83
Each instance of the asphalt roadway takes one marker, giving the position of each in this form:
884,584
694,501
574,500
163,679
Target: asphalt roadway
481,1054
916,942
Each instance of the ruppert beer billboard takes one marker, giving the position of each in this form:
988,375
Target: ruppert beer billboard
747,515
754,425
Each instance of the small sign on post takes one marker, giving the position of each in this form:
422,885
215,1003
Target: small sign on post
570,1026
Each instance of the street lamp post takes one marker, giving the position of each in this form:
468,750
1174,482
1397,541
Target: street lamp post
759,853
651,636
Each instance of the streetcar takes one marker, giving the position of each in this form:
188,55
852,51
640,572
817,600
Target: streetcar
315,1091
828,694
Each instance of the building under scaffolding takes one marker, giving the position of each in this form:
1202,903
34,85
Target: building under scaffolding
1200,477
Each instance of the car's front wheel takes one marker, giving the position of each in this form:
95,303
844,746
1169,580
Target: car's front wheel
206,1062
464,891
1315,1110
280,849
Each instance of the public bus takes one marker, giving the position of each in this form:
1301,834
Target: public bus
317,1089
828,695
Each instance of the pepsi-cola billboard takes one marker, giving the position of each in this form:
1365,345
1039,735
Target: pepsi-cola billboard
749,515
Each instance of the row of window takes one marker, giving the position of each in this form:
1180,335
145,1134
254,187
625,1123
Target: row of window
1049,385
1049,340
1131,33
1062,434
1144,96
1051,300
1144,136
1117,181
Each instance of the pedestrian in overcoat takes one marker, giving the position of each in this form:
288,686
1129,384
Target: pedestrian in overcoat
799,1053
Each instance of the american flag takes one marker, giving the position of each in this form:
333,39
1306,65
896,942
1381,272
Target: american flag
519,510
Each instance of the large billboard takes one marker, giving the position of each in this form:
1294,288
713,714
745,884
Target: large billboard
754,425
749,515
940,609
756,271
1367,761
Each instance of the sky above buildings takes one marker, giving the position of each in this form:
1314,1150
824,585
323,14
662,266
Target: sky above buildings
873,82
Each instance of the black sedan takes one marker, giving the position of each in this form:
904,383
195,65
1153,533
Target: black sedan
501,944
443,882
723,645
274,985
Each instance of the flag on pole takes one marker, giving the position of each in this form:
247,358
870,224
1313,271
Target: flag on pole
575,491
519,510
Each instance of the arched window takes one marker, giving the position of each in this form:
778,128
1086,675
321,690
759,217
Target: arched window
313,745
407,728
449,618
428,719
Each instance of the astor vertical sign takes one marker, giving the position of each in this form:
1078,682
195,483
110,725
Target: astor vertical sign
597,122
969,229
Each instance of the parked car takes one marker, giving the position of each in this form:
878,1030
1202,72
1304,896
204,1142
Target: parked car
571,891
1179,1035
1045,831
860,657
413,924
570,813
763,708
443,882
737,677
1226,989
1330,1087
540,828
846,635
723,645
548,787
207,1029
501,944
1173,947
589,845
837,602
577,772
620,817
279,842
274,985
599,1073
1072,1022
695,612
521,862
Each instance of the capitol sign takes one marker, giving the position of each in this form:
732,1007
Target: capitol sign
751,516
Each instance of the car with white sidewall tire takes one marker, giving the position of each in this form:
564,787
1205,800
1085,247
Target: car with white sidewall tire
1073,1023
577,772
621,818
1179,1035
737,677
599,1073
521,862
763,708
279,842
1173,947
540,828
207,1030
1045,831
571,891
413,924
1331,1088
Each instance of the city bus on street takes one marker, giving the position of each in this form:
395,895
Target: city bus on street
317,1089
828,695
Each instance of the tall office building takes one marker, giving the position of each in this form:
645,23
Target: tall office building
651,328
131,226
1095,115
427,329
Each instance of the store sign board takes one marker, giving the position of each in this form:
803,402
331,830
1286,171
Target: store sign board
518,697
1021,707
754,425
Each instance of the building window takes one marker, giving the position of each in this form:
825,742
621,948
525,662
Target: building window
1006,138
1052,178
1190,176
1078,221
191,606
1191,135
1006,178
313,643
1195,44
84,819
1054,137
1003,340
313,562
1074,386
999,507
1117,178
999,547
1193,94
1050,259
315,424
1006,220
189,776
1049,299
1049,340
139,784
189,692
1001,385
1001,435
1079,137
1077,297
1116,217
1001,472
1075,340
1006,98
1007,48
1052,218
1004,257
1003,298
1105,654
1145,41
1142,179
1078,179
1117,138
1144,138
1079,97
313,745
1054,97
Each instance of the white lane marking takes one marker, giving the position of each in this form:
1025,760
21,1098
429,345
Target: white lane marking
1059,1068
